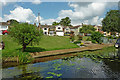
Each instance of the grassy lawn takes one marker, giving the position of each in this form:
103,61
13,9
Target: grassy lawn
12,48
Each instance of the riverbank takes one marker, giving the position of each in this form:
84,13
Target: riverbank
55,54
66,51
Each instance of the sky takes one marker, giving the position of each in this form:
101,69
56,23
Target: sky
79,12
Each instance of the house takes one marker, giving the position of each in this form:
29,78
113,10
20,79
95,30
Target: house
67,30
59,30
52,31
76,29
4,27
45,29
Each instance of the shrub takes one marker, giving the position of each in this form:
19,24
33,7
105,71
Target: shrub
88,39
97,37
81,44
93,41
76,42
80,37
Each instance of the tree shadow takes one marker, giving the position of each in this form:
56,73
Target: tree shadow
33,49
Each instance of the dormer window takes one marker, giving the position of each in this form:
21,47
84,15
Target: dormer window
58,27
45,28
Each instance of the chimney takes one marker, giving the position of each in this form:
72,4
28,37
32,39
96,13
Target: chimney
82,24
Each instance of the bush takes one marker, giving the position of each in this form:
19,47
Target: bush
93,41
110,37
88,39
80,37
97,37
76,42
81,44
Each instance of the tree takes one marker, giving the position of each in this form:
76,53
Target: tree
111,22
25,33
96,36
87,29
55,23
13,21
65,21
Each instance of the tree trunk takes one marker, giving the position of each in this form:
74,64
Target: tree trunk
24,47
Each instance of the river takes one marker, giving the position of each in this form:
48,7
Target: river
68,67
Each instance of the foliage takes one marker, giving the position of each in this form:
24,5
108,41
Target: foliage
25,33
93,41
55,23
80,37
111,22
76,42
13,21
72,36
88,39
81,44
65,21
87,29
97,37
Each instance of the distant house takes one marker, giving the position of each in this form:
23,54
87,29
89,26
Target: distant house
52,31
45,29
76,29
4,27
59,30
67,30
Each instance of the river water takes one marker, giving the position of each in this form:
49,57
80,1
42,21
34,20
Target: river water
74,67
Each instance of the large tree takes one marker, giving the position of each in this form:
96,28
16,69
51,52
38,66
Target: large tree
65,21
87,29
111,22
25,33
55,23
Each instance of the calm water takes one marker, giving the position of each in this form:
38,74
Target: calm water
74,67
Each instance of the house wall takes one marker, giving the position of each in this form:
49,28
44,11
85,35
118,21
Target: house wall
67,29
57,28
75,31
47,30
60,33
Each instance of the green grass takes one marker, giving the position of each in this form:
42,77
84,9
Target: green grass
47,43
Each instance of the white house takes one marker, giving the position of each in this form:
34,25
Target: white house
59,30
45,30
76,29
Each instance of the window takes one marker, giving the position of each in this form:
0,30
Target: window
45,33
104,34
58,27
45,28
66,29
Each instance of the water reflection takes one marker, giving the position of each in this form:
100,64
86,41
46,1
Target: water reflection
70,67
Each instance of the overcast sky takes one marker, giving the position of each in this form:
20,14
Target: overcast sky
79,12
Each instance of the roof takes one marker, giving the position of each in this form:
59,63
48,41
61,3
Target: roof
47,26
4,23
74,27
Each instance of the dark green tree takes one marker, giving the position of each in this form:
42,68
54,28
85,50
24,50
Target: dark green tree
96,36
13,21
25,33
65,21
55,23
87,29
111,22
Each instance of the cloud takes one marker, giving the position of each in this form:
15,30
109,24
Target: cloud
36,1
21,14
25,15
84,12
